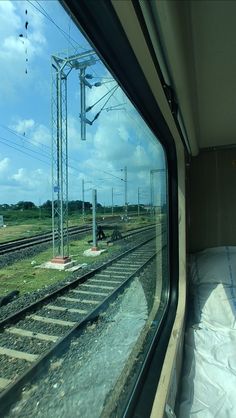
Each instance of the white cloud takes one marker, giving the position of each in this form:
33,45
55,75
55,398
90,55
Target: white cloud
74,134
4,165
119,138
23,126
24,183
30,179
37,133
4,170
14,50
9,19
41,135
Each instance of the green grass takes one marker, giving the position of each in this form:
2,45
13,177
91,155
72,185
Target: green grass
24,229
19,227
25,277
28,229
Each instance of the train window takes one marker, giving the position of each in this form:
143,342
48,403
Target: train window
92,335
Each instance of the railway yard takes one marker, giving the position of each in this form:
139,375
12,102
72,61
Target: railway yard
73,325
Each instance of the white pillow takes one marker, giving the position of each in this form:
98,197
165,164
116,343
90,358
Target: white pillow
214,306
213,284
214,265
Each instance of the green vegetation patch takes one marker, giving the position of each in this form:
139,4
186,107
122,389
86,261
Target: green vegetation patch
25,276
13,232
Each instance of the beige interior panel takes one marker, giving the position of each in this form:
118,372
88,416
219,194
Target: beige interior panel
212,185
198,40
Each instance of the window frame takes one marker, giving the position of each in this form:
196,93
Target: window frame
99,23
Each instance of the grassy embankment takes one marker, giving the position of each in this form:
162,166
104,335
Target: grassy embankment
27,223
26,277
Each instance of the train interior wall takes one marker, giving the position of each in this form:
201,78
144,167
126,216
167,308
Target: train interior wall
212,199
210,308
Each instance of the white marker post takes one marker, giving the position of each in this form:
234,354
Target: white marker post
94,202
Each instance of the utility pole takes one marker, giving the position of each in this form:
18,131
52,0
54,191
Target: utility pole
158,170
83,211
126,203
61,68
94,202
82,104
112,202
151,192
138,201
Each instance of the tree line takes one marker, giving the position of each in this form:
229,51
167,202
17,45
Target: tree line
73,205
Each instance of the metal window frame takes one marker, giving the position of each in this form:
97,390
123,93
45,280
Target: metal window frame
99,23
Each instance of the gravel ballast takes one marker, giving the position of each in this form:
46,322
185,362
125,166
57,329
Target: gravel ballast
31,297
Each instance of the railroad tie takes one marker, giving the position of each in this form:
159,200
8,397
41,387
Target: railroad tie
52,321
25,333
90,302
112,274
94,302
87,292
4,382
22,355
63,309
106,281
99,286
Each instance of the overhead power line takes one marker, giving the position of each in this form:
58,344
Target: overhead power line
68,38
99,100
113,90
26,138
41,10
15,146
20,150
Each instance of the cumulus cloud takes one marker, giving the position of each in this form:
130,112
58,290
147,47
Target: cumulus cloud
119,138
30,179
37,133
4,165
41,135
23,126
9,19
25,184
14,49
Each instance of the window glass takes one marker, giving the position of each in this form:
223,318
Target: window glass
68,132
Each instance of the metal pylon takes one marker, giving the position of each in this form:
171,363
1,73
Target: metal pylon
61,68
59,164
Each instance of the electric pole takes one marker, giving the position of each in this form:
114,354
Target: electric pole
112,202
126,203
83,211
61,68
158,170
138,201
94,202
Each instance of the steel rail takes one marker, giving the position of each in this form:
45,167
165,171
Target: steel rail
13,391
23,243
15,317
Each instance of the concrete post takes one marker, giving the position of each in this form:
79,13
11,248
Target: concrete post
94,202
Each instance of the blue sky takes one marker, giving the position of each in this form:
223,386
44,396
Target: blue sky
118,138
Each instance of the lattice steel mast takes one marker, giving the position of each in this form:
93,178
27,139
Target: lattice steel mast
61,68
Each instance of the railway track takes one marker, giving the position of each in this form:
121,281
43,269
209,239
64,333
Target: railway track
31,336
23,243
